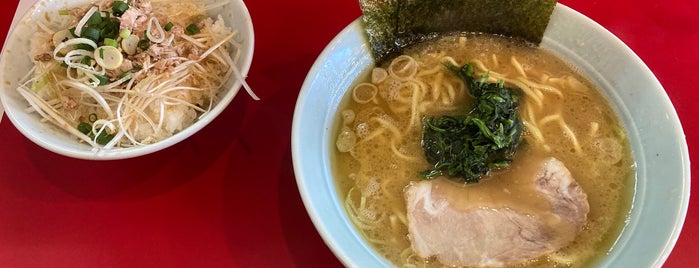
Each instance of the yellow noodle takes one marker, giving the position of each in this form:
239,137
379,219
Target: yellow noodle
518,66
542,87
549,118
571,135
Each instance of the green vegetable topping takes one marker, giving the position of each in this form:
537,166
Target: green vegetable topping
84,128
92,117
103,79
94,20
111,42
84,47
168,26
119,8
64,12
86,60
192,29
143,44
72,32
110,29
124,74
124,33
91,33
104,138
468,146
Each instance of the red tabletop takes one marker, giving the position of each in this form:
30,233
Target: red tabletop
227,196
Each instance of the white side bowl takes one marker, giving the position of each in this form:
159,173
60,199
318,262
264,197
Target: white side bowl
656,136
15,64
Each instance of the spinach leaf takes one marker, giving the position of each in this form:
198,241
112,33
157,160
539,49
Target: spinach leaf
469,146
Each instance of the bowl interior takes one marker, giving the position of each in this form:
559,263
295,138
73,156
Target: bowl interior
15,63
656,136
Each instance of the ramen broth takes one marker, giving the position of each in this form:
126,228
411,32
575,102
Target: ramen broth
378,150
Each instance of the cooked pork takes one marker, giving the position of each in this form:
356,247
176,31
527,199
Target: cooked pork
445,222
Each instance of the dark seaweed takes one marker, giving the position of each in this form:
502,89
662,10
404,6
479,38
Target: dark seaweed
392,25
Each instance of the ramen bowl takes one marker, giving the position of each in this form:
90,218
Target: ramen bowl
659,206
15,63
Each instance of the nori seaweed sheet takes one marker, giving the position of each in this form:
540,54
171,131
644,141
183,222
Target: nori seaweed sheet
392,25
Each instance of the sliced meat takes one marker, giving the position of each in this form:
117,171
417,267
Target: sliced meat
136,17
462,227
567,198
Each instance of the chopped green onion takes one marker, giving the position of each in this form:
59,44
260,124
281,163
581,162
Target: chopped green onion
192,29
85,47
144,44
86,60
104,138
130,44
124,74
110,42
119,8
91,33
92,117
103,79
110,29
169,26
201,17
95,19
84,128
124,33
109,57
64,12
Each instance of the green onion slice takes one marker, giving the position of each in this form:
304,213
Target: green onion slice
144,44
119,8
91,33
86,60
110,42
84,128
124,33
92,117
95,19
84,46
192,29
103,79
104,138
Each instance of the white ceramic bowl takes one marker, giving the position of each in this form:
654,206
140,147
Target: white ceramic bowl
15,64
656,136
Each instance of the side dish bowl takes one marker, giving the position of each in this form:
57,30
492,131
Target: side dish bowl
15,63
662,182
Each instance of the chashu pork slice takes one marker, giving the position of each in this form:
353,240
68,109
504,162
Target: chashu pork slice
467,225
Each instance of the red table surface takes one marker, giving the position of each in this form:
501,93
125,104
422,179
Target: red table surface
227,197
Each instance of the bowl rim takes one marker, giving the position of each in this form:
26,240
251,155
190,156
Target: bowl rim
124,153
320,214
